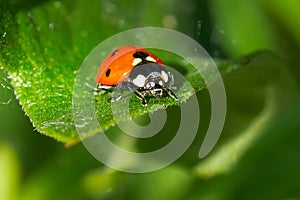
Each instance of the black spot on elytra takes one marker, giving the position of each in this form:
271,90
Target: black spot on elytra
140,54
114,53
107,73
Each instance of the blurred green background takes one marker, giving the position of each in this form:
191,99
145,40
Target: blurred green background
257,156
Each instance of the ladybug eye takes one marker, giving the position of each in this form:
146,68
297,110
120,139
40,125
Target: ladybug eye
107,73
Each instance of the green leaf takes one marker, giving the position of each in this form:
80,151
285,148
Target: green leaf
42,49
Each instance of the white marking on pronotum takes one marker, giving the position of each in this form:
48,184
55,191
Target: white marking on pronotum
139,80
164,76
149,58
136,61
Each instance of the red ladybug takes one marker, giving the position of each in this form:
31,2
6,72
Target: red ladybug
135,69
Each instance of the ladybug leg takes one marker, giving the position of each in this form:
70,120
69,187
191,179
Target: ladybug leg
114,99
118,96
119,89
97,91
172,94
100,89
141,96
138,94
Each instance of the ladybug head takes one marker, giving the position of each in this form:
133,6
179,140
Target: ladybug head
155,85
151,78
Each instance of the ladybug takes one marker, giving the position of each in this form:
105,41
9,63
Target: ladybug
137,70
